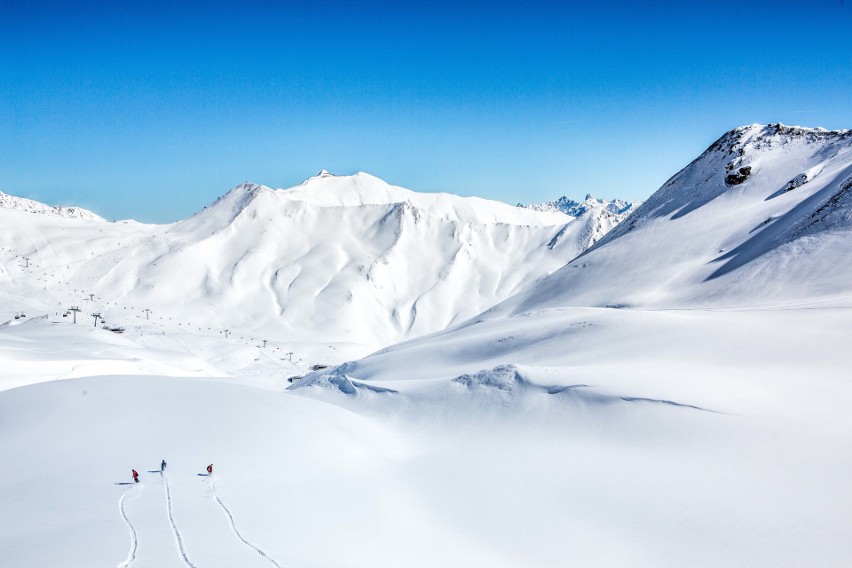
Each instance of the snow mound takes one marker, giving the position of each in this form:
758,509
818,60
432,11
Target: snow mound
338,380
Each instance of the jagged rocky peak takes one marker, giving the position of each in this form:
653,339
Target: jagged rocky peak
30,206
766,136
576,208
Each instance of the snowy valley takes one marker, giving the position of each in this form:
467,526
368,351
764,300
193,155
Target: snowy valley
383,377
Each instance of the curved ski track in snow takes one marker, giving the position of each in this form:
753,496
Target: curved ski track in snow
234,526
175,531
131,556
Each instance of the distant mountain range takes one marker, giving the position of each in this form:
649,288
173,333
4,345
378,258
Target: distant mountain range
576,208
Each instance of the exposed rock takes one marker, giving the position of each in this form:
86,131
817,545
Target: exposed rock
740,176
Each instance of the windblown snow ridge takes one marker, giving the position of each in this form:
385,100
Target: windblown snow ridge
338,379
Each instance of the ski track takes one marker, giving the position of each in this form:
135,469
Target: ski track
234,526
131,556
175,531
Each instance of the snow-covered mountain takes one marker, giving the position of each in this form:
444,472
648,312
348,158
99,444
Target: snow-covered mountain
757,218
340,259
30,206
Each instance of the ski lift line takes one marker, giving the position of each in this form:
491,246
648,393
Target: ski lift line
236,532
178,539
131,555
52,250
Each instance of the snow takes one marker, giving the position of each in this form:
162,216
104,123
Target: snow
30,206
670,392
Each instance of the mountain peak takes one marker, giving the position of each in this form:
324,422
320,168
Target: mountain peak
767,136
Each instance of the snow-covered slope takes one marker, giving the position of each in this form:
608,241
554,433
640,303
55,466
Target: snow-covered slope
23,204
756,218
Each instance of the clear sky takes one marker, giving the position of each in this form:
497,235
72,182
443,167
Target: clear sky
151,110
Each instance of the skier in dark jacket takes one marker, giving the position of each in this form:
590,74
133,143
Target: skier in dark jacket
162,466
135,476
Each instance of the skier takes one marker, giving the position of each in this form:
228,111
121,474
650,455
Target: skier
210,469
162,466
135,476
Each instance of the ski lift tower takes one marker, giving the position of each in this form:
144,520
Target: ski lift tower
147,313
74,309
97,316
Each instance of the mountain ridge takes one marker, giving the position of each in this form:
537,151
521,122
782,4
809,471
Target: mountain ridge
31,206
347,259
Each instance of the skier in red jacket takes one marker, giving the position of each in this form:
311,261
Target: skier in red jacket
210,469
135,476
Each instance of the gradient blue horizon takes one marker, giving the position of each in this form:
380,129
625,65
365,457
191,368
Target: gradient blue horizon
152,110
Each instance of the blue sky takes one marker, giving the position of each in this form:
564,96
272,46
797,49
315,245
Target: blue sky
151,109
